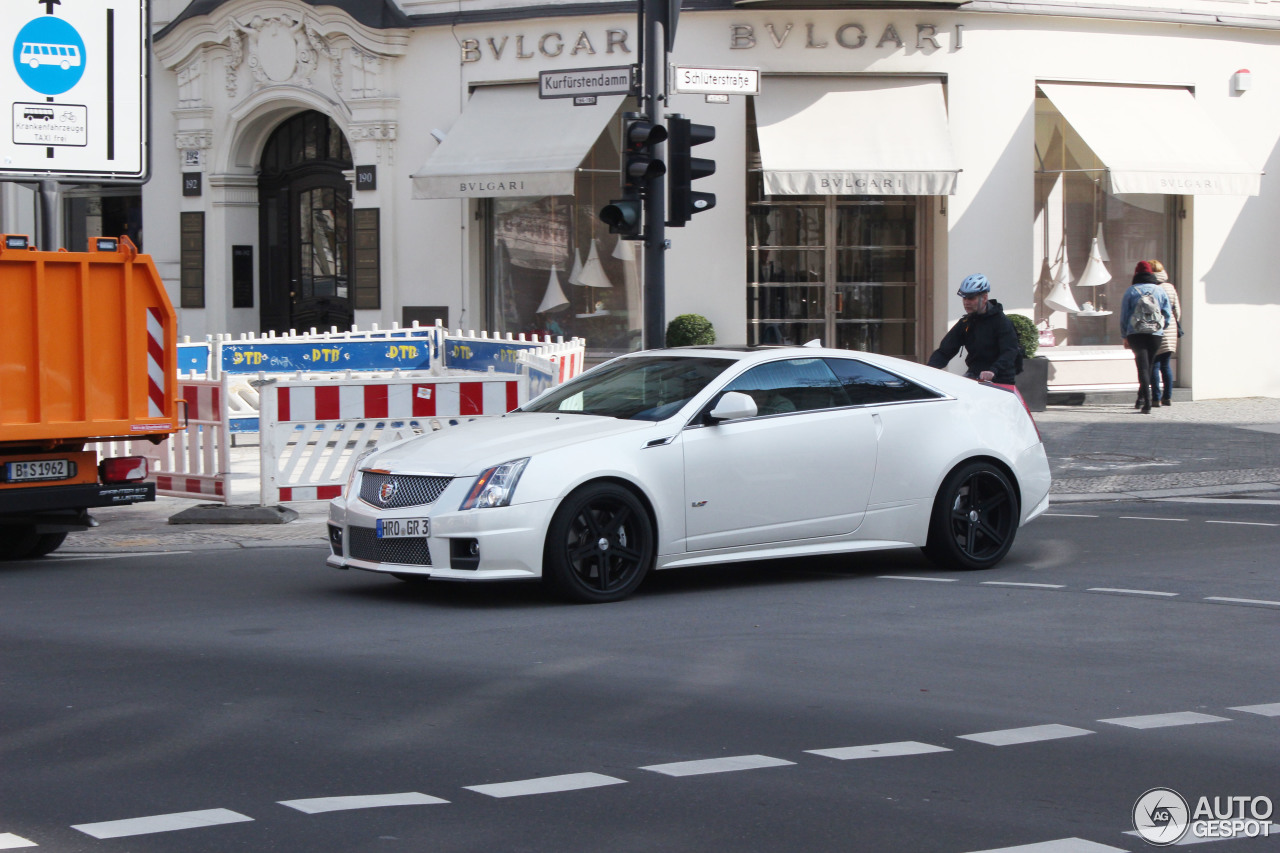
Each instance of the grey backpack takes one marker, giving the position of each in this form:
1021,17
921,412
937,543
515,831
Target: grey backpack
1147,318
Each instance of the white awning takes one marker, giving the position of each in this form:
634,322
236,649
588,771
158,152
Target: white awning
854,136
509,142
1154,140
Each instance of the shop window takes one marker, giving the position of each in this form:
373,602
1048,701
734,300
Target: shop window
1088,240
842,269
95,211
554,268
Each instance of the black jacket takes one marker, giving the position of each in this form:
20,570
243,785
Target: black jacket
989,341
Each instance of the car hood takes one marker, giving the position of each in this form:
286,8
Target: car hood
469,448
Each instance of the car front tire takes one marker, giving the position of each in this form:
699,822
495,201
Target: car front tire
975,518
599,545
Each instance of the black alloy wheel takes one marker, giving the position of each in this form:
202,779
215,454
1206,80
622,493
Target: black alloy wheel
599,545
975,518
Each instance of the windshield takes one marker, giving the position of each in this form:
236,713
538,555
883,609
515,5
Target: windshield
646,388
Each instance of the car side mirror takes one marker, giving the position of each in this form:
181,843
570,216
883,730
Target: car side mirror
732,406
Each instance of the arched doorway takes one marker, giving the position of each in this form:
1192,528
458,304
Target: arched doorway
305,226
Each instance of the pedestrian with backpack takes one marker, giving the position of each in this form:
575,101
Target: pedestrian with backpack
1144,315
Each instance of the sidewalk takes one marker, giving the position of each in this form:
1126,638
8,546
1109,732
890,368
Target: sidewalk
1095,452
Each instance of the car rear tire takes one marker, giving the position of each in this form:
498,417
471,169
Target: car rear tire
46,543
599,545
975,518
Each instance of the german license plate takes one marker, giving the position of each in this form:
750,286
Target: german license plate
38,469
403,528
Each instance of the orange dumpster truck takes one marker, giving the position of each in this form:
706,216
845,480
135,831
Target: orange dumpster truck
88,353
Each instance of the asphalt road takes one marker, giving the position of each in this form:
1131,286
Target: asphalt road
228,700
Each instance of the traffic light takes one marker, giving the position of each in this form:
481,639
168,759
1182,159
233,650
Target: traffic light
685,169
639,164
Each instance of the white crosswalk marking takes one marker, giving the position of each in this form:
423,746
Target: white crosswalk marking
9,841
546,785
1160,721
1061,845
914,578
161,823
1271,710
717,765
1027,734
879,750
367,801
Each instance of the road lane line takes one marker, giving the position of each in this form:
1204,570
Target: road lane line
546,785
717,765
317,805
1031,585
161,823
879,750
1147,518
1160,721
1062,845
1026,734
1243,600
1271,710
913,578
1132,591
9,841
1065,515
1246,523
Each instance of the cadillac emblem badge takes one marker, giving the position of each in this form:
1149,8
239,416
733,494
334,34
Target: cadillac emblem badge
387,491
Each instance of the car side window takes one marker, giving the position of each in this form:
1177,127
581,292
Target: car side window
866,385
794,385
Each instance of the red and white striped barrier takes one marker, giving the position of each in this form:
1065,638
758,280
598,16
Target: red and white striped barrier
157,379
313,430
194,462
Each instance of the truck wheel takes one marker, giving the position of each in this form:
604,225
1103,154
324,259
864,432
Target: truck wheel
46,543
17,542
23,543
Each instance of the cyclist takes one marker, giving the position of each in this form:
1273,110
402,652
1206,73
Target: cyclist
985,332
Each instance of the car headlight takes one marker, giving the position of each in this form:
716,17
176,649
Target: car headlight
355,468
495,486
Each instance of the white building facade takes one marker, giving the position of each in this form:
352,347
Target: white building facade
372,161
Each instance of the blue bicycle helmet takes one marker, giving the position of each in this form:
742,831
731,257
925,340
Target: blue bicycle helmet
974,285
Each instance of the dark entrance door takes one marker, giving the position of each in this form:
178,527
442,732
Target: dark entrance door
305,226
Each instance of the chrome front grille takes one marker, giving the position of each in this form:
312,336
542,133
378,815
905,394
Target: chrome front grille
363,544
400,490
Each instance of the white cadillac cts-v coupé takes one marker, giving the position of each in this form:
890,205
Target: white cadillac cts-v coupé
692,456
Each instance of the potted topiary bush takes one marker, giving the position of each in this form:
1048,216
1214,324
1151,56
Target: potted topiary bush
690,330
1033,382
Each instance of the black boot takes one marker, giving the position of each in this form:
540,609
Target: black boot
1146,405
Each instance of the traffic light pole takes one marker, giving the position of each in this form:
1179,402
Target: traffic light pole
655,202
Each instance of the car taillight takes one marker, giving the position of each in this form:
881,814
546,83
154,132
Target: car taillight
123,469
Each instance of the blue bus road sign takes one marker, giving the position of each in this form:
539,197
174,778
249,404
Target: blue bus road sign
76,85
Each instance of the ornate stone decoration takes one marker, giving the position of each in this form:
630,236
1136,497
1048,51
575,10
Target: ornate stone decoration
280,49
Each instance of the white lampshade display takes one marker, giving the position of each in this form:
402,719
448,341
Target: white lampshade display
577,268
1059,297
593,274
1095,272
554,299
1101,244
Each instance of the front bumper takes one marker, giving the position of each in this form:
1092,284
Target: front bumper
509,540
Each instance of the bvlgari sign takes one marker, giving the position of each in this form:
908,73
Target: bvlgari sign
847,35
